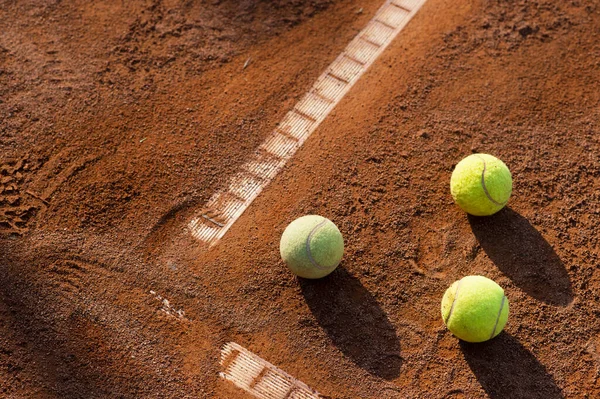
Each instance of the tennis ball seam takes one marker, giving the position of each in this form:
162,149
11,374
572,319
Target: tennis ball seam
485,190
308,239
498,317
453,302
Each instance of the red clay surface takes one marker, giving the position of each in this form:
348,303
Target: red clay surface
119,119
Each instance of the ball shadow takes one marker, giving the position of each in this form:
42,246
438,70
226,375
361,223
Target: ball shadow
506,369
355,323
521,253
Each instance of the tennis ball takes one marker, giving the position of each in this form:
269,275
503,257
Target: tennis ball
475,309
481,184
312,246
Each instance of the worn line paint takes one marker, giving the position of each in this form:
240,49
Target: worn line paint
260,378
300,122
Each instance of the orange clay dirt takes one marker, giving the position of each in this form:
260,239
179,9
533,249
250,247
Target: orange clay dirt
118,120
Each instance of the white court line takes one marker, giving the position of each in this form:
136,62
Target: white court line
259,377
226,205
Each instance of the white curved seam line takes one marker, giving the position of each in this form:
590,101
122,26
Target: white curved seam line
485,190
310,235
453,302
498,317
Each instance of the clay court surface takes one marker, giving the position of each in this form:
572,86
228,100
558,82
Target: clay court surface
119,120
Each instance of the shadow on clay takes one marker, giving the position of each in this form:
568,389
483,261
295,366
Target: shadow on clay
355,323
506,369
52,345
522,254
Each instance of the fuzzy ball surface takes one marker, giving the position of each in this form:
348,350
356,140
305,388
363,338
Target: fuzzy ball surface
312,246
481,184
475,309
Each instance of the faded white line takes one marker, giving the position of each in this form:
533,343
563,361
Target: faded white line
259,377
227,205
167,308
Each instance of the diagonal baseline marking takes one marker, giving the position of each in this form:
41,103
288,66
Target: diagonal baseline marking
260,378
302,120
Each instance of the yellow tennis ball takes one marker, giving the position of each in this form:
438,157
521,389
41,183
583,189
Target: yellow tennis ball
312,246
481,184
475,309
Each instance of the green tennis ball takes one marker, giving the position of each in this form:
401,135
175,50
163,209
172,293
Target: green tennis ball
475,309
481,184
312,246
